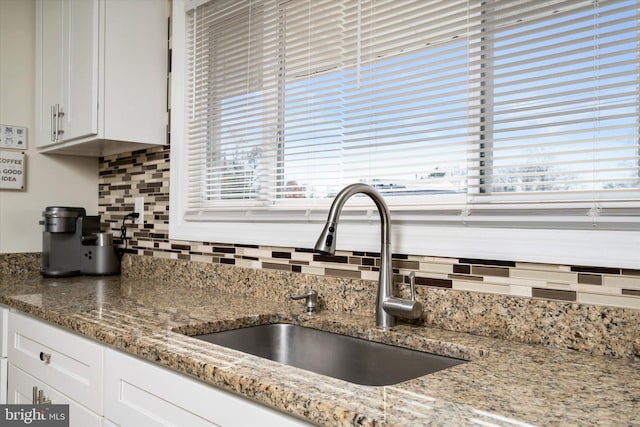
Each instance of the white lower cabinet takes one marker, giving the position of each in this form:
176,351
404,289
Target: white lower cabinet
4,339
4,367
141,394
21,390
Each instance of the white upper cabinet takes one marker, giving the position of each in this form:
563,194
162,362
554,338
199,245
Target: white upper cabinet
101,75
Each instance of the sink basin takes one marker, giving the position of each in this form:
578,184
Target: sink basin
347,358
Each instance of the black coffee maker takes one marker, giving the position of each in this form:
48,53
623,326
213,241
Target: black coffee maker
72,244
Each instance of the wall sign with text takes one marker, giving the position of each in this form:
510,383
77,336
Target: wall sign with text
12,170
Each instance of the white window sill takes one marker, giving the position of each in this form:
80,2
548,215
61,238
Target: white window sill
603,248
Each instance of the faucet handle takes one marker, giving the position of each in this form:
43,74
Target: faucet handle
311,300
400,307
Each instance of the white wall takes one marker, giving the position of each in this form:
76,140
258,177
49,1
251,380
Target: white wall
50,180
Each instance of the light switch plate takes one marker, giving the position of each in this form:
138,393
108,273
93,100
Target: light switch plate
13,137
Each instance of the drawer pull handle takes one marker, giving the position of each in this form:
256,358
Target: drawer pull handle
45,357
42,400
39,397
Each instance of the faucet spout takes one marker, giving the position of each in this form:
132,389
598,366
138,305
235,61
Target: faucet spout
327,244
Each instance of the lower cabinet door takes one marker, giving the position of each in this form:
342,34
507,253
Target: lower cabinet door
141,394
20,391
3,380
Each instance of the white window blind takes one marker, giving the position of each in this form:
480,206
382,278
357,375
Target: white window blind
461,108
560,101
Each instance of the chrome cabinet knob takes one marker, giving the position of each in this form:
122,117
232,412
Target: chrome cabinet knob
45,357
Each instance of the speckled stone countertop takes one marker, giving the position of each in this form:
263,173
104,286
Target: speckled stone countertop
504,383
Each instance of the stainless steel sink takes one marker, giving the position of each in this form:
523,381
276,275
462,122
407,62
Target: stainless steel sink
347,358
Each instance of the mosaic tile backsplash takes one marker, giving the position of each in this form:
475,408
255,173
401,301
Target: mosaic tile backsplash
146,173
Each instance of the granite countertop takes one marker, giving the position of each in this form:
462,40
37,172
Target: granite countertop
504,384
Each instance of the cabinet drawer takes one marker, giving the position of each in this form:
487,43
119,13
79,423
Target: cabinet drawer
21,393
67,362
141,394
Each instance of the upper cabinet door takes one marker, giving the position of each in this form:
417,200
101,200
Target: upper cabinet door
80,99
67,74
50,41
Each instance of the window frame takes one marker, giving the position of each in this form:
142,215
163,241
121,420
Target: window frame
528,238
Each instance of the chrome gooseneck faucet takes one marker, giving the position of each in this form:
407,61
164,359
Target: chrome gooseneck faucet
388,307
